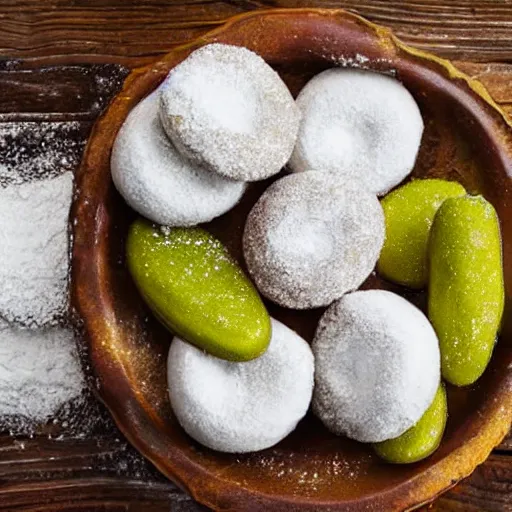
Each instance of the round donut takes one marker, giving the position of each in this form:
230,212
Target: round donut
241,407
360,124
377,366
156,181
312,237
227,109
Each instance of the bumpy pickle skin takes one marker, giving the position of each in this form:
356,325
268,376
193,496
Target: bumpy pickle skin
409,212
466,286
422,439
197,290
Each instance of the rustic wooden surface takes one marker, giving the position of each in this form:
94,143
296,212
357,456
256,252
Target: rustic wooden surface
59,46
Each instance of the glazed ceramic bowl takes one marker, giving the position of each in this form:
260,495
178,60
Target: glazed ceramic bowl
467,138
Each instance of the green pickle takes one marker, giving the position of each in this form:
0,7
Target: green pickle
466,287
409,212
422,439
198,291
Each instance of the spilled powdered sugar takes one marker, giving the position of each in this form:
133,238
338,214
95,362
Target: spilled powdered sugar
34,250
33,151
357,61
39,371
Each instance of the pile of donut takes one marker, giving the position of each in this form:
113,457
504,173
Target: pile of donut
185,154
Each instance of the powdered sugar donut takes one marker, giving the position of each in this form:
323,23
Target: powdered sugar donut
360,124
311,238
241,407
377,366
156,181
227,109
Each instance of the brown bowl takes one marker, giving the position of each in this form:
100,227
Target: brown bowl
467,138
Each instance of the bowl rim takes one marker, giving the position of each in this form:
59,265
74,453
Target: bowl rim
88,296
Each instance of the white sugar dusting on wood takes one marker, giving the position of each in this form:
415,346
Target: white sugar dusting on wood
34,250
39,371
31,150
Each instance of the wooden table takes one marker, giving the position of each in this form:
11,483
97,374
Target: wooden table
64,59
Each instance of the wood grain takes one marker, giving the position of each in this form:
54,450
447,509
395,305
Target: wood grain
74,474
133,32
101,472
506,445
66,93
488,489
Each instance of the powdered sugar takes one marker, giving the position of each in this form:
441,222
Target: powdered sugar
33,151
227,109
40,374
42,387
312,237
34,250
242,407
158,182
39,371
357,61
360,124
301,237
377,366
219,103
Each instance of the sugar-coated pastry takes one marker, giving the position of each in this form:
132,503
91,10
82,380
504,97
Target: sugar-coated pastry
227,109
159,183
312,237
241,407
377,366
359,124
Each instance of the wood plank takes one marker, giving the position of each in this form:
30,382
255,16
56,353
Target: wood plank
132,34
497,78
83,474
135,33
506,445
488,489
68,93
